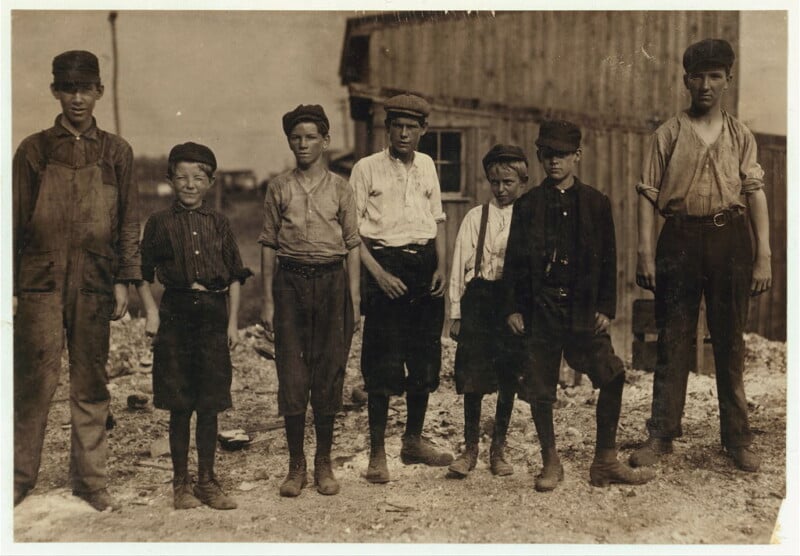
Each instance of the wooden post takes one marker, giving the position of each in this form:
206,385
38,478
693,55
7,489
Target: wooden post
112,18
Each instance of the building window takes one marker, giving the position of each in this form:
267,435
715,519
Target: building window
445,147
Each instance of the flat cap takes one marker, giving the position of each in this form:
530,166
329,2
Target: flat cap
192,152
306,113
708,53
407,105
503,153
76,66
559,135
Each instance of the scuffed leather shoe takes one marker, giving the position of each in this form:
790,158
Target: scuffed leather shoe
100,500
498,463
295,479
323,476
604,473
465,462
745,458
552,474
651,451
377,470
211,494
183,498
417,449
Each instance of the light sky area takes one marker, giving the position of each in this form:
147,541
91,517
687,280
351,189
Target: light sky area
225,78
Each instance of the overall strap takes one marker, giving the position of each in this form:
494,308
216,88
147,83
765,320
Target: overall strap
481,238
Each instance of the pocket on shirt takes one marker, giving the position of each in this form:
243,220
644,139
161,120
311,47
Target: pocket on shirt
99,270
37,272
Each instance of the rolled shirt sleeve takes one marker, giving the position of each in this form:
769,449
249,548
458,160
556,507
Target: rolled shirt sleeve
129,268
272,218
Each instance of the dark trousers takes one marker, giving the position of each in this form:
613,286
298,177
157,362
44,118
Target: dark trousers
693,259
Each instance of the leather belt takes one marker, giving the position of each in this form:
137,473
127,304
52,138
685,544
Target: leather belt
309,270
718,220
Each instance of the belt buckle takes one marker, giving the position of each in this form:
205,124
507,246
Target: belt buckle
562,293
722,216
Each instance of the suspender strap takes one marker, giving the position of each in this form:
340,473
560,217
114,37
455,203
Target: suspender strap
481,238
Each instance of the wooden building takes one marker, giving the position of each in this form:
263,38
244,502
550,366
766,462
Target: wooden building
493,77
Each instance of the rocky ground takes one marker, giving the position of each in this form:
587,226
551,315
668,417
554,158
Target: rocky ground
698,496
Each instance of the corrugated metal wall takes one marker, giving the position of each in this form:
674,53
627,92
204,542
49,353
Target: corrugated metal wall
619,64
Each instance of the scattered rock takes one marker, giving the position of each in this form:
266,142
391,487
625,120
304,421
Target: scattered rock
246,486
137,402
261,475
159,447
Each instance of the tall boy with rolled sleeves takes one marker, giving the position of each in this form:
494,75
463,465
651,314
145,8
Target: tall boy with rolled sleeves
401,223
311,296
560,271
701,174
76,250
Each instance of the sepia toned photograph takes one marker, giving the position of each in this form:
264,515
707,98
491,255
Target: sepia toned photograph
397,280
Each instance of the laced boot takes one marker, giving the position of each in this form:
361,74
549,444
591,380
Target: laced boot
295,479
607,469
377,470
651,451
465,462
209,492
745,458
323,476
497,460
182,496
552,471
417,449
100,500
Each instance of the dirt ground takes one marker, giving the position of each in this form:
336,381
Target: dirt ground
698,496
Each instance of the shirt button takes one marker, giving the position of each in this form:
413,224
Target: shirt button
565,213
197,252
194,233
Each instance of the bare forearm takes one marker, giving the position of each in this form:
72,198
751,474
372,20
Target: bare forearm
234,299
146,296
759,221
646,212
354,274
372,266
441,248
268,256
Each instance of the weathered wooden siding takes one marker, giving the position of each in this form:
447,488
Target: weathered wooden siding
622,65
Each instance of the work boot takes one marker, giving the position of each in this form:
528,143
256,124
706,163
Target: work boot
210,493
607,469
377,471
651,451
295,479
465,462
497,461
182,495
19,494
417,449
323,476
100,500
745,458
552,474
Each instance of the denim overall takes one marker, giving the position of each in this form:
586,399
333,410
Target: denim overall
66,280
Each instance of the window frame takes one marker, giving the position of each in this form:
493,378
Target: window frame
438,161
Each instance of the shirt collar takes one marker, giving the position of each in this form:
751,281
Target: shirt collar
178,208
62,131
388,153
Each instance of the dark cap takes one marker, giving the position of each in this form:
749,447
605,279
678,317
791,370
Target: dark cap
708,53
503,153
76,66
407,105
559,135
306,113
192,152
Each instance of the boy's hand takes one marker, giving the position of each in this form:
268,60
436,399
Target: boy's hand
516,324
120,301
233,335
390,284
601,323
762,276
455,329
646,272
437,283
151,324
267,315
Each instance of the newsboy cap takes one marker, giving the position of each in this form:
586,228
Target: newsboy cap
503,153
306,113
192,152
407,105
708,53
559,135
76,66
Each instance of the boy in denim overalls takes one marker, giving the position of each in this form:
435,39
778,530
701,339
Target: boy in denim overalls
76,250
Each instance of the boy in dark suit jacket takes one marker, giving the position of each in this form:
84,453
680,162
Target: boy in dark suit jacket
560,269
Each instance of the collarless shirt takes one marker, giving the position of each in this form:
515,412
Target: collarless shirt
317,225
682,174
58,144
182,246
561,233
465,250
397,204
